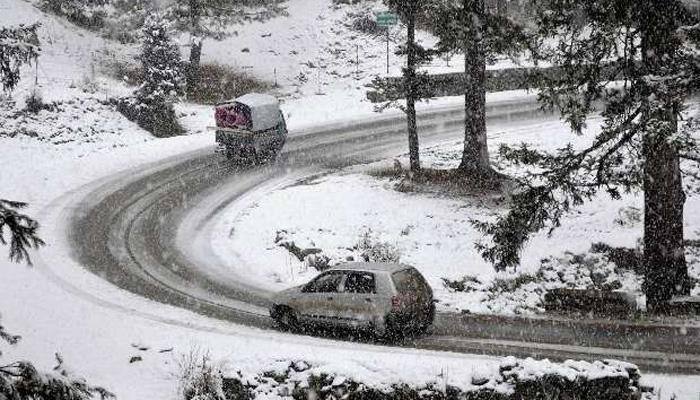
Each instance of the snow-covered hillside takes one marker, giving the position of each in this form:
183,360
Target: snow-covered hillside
126,343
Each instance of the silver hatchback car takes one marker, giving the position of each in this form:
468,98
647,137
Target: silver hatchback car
389,299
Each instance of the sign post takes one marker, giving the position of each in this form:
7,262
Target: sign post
386,20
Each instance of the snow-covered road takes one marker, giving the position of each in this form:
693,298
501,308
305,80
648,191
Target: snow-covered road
146,232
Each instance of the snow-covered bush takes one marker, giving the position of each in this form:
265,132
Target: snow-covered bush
21,380
374,250
365,22
524,292
199,377
86,13
152,104
514,379
34,103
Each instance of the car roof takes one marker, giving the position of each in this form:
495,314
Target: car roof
370,266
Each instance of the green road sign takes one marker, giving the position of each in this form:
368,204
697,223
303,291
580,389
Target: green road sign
386,19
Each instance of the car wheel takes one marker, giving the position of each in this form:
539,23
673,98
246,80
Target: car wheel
287,319
430,317
393,333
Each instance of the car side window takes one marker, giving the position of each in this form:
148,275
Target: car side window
327,283
360,282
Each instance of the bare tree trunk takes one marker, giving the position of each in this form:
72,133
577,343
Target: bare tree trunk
502,7
475,156
410,77
193,68
666,272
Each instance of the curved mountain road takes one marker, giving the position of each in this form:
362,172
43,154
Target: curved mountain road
130,234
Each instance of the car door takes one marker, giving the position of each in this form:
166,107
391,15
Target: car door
315,304
357,301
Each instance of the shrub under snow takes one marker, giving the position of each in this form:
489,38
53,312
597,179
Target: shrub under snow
515,379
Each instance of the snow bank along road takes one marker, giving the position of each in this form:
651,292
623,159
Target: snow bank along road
143,232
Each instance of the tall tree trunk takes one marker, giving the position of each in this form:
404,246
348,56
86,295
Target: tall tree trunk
664,258
666,272
411,92
502,7
193,67
475,156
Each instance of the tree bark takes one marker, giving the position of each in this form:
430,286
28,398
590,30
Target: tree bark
664,257
193,67
502,7
475,156
411,92
666,272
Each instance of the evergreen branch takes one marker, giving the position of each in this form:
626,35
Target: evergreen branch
18,46
690,157
23,231
9,338
631,131
543,204
692,175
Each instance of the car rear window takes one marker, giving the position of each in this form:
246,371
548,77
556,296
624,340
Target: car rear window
409,281
360,282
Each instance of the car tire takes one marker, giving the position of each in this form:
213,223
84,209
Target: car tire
430,317
286,318
393,333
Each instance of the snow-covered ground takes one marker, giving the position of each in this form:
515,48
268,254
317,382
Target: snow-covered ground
431,231
57,306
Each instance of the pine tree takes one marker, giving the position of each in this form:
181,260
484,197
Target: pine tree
162,80
468,27
204,19
18,46
653,48
161,63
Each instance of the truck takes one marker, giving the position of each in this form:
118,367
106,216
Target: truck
250,128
